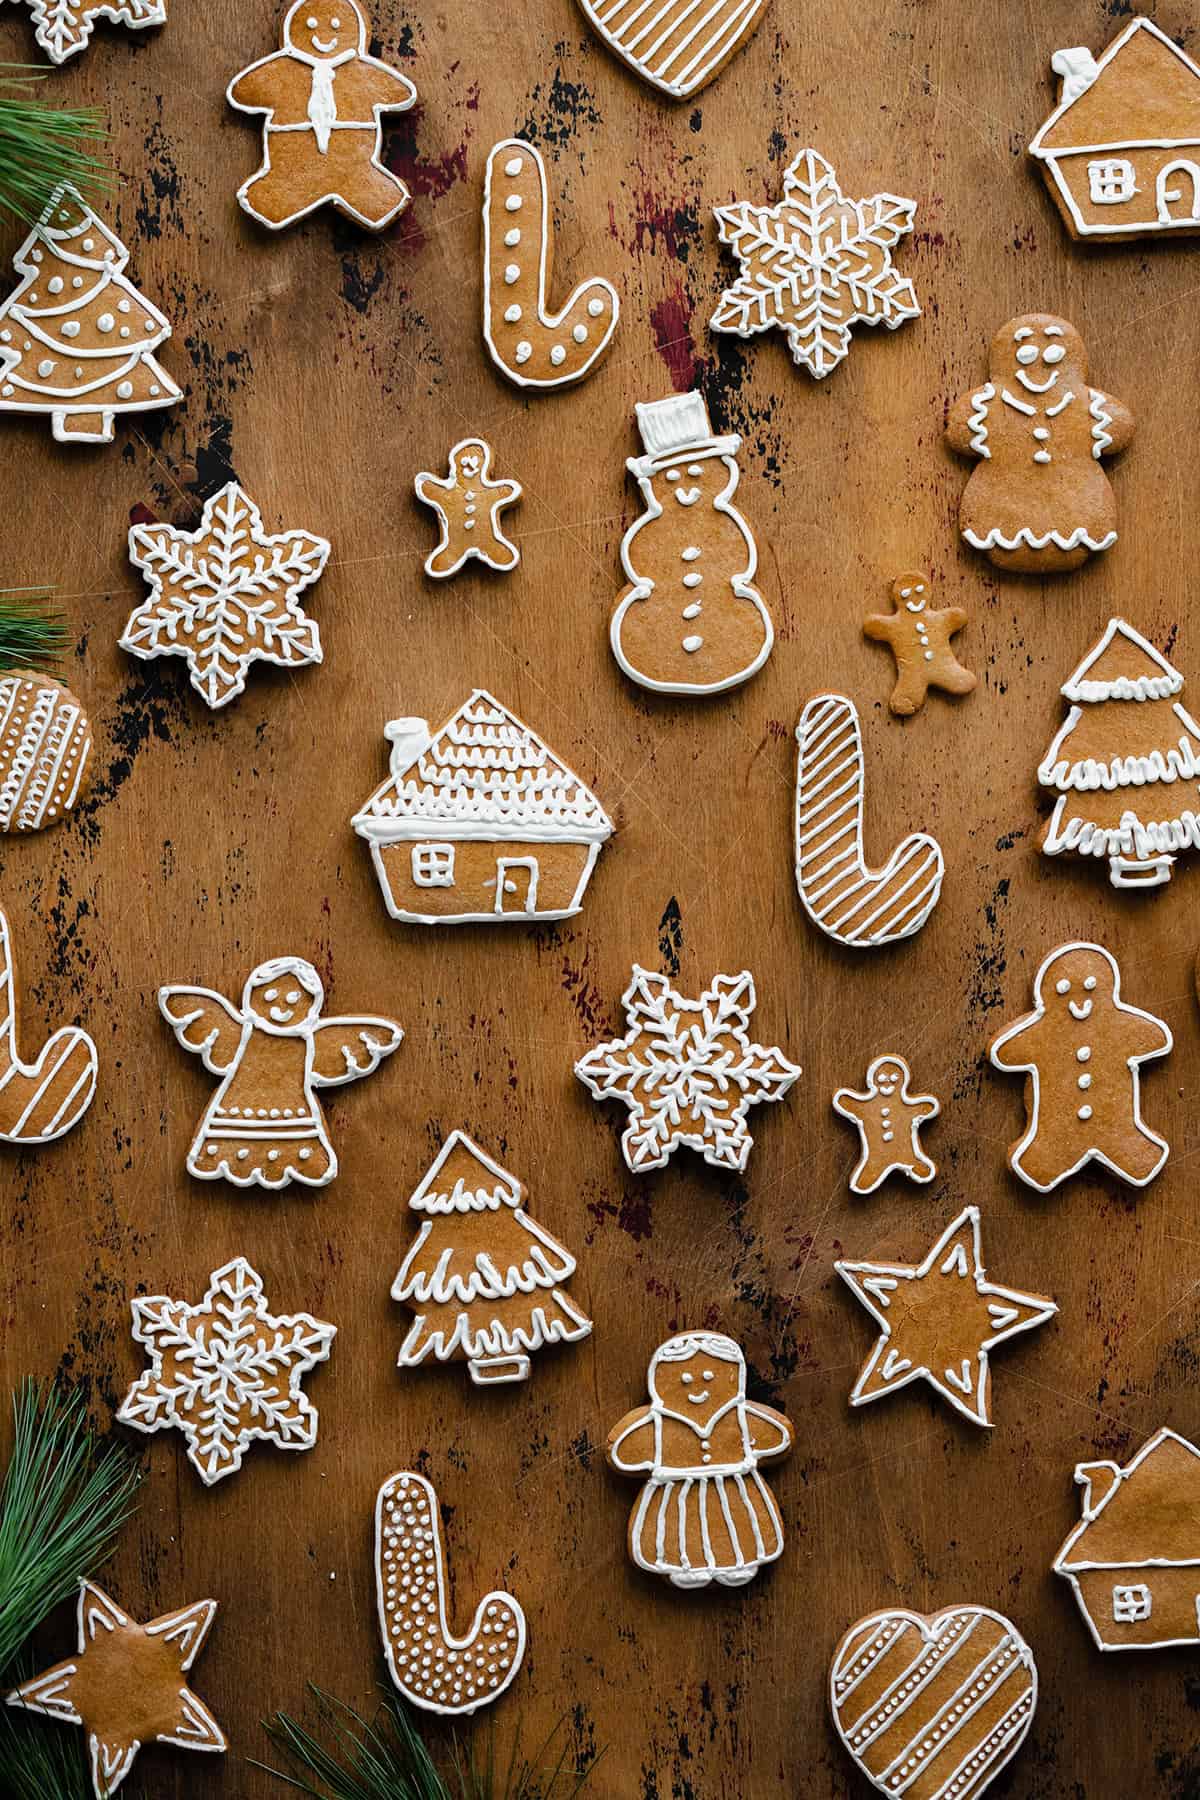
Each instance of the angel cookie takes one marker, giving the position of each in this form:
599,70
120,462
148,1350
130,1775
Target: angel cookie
1081,1050
324,98
889,1121
468,503
705,1513
1039,501
920,642
264,1124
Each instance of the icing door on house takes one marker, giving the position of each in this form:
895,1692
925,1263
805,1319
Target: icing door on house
1178,191
516,884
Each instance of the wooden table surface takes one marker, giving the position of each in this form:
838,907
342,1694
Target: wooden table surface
323,369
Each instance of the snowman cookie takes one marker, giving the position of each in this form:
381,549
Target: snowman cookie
1039,501
468,504
1081,1049
919,639
324,98
889,1120
691,620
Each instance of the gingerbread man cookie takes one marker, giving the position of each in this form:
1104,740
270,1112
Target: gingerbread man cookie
468,504
889,1121
324,98
1081,1049
1039,501
920,642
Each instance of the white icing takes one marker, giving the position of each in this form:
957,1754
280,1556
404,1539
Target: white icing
913,1110
681,44
499,552
63,30
42,1100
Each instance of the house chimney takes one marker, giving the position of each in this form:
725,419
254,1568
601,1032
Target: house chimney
408,738
1078,69
1097,1481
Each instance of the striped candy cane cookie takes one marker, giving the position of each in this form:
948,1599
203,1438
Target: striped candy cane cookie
42,1100
857,905
430,1666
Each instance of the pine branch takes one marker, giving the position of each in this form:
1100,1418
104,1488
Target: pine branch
63,1498
354,1758
32,634
41,1762
43,145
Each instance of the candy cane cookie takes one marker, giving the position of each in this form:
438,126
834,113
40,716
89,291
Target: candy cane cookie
532,346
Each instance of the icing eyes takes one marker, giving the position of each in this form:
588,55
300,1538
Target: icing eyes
1089,984
336,22
311,22
1062,987
1028,353
292,995
708,1374
271,994
686,1380
672,474
695,469
1053,353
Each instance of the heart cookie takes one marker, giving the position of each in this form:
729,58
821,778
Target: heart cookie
933,1707
676,45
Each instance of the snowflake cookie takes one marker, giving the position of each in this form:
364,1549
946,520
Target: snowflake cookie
225,595
687,1071
226,1372
64,27
815,264
125,1685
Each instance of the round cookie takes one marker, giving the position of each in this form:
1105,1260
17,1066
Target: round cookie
45,751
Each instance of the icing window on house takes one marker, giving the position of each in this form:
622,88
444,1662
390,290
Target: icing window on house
433,865
1111,181
1131,1604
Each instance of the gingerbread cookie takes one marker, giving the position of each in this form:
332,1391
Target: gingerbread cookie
691,621
273,1052
42,1100
324,98
1081,1050
431,1667
225,595
939,1320
1125,775
1121,150
45,751
677,46
64,27
226,1372
125,1685
686,1071
933,1707
1039,501
1132,1558
704,1514
483,1278
531,345
857,905
814,265
889,1120
480,822
76,337
920,642
468,504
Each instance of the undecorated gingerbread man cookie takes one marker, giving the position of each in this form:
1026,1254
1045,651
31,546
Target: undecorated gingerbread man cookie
468,504
889,1121
1081,1049
920,642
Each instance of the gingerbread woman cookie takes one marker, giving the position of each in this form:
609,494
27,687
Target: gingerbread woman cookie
889,1120
468,504
324,98
1039,501
920,642
1081,1049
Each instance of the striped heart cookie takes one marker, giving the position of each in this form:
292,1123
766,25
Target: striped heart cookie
933,1707
675,45
41,1100
45,750
859,906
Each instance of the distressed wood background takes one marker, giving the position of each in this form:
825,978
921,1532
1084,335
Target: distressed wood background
324,368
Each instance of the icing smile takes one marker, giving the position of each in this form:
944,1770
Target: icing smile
687,496
280,1015
1037,387
324,45
699,1399
1080,1009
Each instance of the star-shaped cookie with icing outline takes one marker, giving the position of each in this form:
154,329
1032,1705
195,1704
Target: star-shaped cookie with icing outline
940,1320
125,1685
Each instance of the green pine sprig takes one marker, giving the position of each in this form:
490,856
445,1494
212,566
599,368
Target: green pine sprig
41,1762
63,1500
32,634
385,1758
41,146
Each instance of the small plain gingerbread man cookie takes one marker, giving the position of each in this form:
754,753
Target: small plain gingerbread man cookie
920,642
889,1121
468,504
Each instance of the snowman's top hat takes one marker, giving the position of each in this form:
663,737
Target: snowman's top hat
674,427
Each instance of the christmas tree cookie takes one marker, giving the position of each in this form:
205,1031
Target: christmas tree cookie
64,27
1125,768
484,1279
45,751
126,1685
77,339
42,1100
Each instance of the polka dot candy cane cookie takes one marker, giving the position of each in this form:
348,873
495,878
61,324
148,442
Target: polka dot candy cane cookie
431,1667
532,346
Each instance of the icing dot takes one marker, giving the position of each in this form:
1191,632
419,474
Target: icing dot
7,389
558,355
45,367
595,308
71,328
77,281
243,1153
579,333
154,388
512,273
272,1156
149,324
124,331
692,644
89,243
305,1154
105,322
125,390
514,203
123,306
524,351
512,238
78,373
513,166
5,337
512,314
210,1149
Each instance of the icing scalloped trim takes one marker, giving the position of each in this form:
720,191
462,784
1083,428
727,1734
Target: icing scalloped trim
1132,838
1101,435
1039,540
1179,764
978,420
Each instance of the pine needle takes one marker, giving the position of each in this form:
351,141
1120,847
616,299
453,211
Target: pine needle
32,634
41,1762
63,1499
386,1759
43,145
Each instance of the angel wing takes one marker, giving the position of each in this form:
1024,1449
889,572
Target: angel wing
347,1049
205,1023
